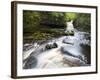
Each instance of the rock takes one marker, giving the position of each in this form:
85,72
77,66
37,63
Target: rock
51,45
87,36
68,41
30,62
27,46
73,61
65,51
85,42
69,33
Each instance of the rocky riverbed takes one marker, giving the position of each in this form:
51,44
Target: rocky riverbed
65,51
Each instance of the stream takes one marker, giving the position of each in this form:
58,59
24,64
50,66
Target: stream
70,51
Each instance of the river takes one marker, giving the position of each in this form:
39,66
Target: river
71,51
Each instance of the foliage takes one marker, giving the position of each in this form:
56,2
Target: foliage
43,25
41,36
71,16
83,22
31,21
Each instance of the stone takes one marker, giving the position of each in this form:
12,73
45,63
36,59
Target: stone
51,45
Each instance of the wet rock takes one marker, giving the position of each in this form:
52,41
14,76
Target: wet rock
68,41
27,46
87,36
65,51
30,62
68,53
69,33
73,61
51,45
85,42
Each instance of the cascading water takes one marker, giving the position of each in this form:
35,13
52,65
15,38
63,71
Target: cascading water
70,51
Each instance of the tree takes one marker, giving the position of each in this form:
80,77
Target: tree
83,22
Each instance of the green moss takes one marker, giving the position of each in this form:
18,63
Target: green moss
41,36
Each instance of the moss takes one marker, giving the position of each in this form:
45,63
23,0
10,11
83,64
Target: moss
41,36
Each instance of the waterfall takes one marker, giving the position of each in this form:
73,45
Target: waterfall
70,26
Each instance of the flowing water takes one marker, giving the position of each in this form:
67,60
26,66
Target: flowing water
70,51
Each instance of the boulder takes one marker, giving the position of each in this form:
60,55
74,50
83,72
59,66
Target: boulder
68,41
66,52
30,62
51,45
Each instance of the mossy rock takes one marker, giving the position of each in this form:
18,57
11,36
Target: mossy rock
69,33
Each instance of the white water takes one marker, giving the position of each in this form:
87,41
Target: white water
54,58
70,26
66,54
